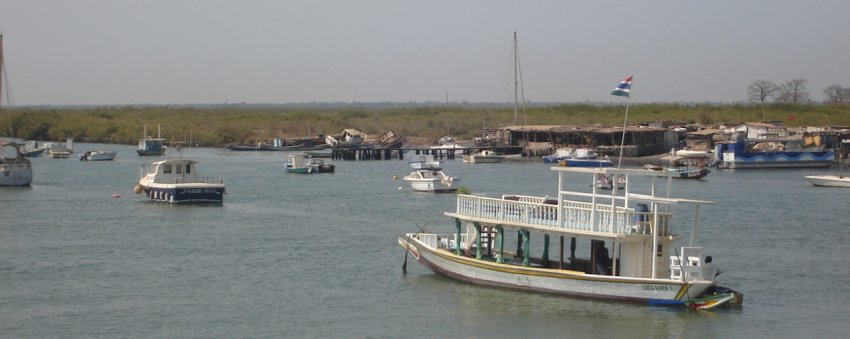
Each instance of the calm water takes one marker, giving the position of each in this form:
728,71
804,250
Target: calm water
290,255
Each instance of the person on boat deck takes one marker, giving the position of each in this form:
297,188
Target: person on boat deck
709,269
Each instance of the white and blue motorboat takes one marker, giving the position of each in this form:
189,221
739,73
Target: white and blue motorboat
177,181
771,153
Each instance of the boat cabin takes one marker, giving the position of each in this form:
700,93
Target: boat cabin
173,171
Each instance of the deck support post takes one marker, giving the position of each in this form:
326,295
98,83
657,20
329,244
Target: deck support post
572,249
526,239
477,240
500,243
519,243
457,242
561,262
546,250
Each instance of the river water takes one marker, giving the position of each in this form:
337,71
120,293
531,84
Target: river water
316,256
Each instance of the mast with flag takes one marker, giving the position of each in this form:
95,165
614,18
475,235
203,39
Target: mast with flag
624,89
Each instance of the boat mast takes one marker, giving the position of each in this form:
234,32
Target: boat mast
516,83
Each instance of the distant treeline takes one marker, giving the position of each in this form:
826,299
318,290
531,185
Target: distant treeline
220,125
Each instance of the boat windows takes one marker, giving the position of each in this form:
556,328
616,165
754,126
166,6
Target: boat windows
188,168
166,168
179,169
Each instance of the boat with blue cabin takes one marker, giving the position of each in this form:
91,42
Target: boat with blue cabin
150,146
647,265
770,153
177,181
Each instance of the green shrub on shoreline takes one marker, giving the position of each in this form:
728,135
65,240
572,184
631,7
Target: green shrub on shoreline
220,125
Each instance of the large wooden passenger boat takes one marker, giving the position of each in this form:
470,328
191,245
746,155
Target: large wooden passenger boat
645,265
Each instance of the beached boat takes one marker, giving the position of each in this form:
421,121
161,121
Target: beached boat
770,153
97,156
150,146
177,181
349,138
426,175
562,153
483,157
390,139
829,180
15,168
647,265
686,168
301,163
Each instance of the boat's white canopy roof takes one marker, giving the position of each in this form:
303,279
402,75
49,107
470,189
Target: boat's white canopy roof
613,170
175,161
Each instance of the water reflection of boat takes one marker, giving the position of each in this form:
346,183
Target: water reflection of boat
645,266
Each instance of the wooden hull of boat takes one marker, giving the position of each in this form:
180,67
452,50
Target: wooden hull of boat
565,282
829,180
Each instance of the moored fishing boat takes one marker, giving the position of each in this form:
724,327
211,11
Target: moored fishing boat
771,153
646,265
177,181
829,180
97,156
15,168
150,146
483,157
426,175
301,163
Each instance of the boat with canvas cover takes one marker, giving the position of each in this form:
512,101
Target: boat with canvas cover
646,266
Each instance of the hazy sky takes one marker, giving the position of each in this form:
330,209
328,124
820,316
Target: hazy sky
180,52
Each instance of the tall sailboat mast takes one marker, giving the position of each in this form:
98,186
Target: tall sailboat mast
516,81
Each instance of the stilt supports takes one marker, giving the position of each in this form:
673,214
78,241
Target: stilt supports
457,241
526,243
500,243
546,250
477,240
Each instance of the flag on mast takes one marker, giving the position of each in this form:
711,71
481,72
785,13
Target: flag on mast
624,88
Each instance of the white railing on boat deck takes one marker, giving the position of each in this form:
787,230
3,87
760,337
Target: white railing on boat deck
442,241
543,212
205,180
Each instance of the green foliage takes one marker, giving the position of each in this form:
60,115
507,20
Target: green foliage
220,125
463,190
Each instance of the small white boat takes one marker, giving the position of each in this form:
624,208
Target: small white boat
427,176
301,163
97,156
605,181
15,168
60,150
483,157
177,181
829,180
